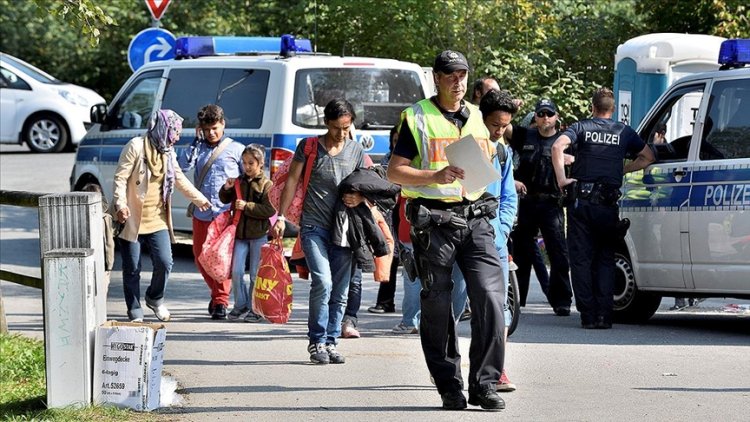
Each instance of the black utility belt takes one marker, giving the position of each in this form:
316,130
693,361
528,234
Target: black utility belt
422,212
598,193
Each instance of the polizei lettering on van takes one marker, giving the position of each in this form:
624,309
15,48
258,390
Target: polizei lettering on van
603,138
723,195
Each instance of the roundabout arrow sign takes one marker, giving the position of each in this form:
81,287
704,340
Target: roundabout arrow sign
150,45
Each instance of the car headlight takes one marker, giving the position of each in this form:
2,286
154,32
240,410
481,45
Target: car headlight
72,98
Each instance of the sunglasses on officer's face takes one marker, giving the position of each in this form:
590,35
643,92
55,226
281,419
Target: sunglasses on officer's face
544,113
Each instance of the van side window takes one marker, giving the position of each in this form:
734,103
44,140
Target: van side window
134,108
726,131
670,131
378,95
240,92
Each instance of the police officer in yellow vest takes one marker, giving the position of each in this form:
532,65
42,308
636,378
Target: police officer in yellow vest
451,225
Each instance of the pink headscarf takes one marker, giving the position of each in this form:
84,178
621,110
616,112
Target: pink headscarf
164,130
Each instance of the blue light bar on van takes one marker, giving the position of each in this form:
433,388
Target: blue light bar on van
734,53
187,47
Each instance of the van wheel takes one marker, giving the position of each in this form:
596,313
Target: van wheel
45,133
631,306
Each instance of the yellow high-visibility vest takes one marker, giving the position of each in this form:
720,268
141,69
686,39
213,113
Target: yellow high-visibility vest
432,132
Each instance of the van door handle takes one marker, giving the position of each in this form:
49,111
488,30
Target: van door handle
680,173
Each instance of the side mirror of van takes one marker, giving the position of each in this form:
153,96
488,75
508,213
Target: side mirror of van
98,113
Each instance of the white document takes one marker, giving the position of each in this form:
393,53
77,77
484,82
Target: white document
478,171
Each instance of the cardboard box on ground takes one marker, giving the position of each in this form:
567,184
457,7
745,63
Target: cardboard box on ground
128,360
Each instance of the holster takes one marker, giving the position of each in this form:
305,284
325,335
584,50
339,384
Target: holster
406,256
570,194
423,218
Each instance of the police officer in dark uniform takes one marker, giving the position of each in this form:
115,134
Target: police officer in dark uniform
599,145
450,225
539,207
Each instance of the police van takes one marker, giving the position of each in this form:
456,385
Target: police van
270,98
690,210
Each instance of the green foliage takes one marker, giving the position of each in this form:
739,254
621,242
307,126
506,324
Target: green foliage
557,48
82,15
23,389
726,18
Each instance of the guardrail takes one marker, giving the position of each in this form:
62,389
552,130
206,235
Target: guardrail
21,199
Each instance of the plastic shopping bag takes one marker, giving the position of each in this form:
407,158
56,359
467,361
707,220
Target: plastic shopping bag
272,292
218,248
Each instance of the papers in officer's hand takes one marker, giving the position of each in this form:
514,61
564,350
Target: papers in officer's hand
478,171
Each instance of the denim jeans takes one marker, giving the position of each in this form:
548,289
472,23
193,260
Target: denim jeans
245,249
330,271
160,248
410,307
459,295
355,294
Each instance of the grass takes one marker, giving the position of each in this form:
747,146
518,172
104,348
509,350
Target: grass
23,390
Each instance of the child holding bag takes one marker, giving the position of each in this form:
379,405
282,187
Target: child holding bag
252,228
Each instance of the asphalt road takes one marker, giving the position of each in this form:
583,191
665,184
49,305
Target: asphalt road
685,365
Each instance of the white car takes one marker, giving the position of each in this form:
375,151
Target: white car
37,109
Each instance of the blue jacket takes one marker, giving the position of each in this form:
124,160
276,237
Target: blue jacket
505,190
227,164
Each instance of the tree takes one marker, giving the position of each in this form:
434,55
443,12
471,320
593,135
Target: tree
726,18
81,15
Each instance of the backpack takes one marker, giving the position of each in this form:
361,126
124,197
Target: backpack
294,211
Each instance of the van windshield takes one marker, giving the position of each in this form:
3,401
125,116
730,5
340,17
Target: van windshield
378,95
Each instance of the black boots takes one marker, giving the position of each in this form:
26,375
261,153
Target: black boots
485,397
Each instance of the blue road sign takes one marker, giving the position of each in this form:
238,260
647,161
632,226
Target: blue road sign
150,45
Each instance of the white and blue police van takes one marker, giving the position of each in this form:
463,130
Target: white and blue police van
690,210
271,98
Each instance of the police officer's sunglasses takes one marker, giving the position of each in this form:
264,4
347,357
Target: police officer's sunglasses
543,113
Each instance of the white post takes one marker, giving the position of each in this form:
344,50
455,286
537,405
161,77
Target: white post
69,326
71,238
74,220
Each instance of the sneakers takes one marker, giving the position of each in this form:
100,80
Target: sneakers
486,397
382,309
453,400
348,330
238,313
333,355
252,317
318,353
161,312
402,328
139,319
504,384
220,312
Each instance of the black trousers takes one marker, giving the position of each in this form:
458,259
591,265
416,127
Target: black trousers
592,258
545,215
473,248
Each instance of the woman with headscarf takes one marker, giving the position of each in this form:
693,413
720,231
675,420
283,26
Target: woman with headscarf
146,176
